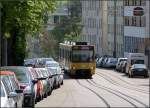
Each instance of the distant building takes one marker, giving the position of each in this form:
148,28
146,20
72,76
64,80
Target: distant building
135,19
137,26
91,20
55,18
112,27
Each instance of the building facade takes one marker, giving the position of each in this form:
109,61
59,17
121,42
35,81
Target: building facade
112,27
91,20
115,28
137,26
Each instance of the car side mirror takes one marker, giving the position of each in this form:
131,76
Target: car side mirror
41,78
34,81
12,95
19,91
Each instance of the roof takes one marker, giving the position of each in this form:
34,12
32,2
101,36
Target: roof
7,73
47,62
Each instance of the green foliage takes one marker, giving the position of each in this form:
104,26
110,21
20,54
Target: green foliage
22,17
28,15
70,26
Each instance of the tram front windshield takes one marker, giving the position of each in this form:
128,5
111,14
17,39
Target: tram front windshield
82,56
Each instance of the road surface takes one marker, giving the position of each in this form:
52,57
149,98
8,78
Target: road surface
107,88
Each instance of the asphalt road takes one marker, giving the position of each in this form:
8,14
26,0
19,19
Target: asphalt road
108,88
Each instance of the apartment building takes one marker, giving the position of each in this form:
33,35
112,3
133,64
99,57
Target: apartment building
55,18
112,27
137,26
91,20
115,27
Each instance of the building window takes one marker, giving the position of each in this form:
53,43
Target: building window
56,19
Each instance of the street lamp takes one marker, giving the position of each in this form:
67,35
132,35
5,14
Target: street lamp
114,51
0,36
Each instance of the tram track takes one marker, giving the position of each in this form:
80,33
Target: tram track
117,93
100,97
115,76
112,81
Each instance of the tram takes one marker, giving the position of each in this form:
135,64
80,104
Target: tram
77,58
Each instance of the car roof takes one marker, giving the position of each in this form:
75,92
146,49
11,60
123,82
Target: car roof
122,58
7,73
51,62
139,64
13,66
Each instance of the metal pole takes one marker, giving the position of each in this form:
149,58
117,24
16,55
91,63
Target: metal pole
114,52
0,39
5,42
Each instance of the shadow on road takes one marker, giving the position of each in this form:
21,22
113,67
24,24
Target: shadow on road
68,77
141,77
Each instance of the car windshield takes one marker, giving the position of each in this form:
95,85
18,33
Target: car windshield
137,62
139,66
113,60
2,93
44,72
20,72
52,64
82,56
53,71
122,60
44,60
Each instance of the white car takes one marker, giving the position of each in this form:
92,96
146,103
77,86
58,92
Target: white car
111,62
7,98
54,67
119,62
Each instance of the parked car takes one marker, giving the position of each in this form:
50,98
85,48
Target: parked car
7,98
48,79
111,63
98,62
30,62
12,85
135,58
123,66
104,62
39,84
27,83
119,62
139,70
54,67
42,61
47,86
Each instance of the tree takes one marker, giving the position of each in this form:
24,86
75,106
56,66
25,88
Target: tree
20,18
70,26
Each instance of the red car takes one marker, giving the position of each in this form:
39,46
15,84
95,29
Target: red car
39,84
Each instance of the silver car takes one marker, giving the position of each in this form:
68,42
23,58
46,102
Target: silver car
10,95
54,67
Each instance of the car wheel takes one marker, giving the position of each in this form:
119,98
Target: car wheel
49,93
129,74
39,98
145,76
33,103
62,82
16,105
58,85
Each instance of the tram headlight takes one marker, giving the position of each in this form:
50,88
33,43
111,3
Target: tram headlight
92,67
74,67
